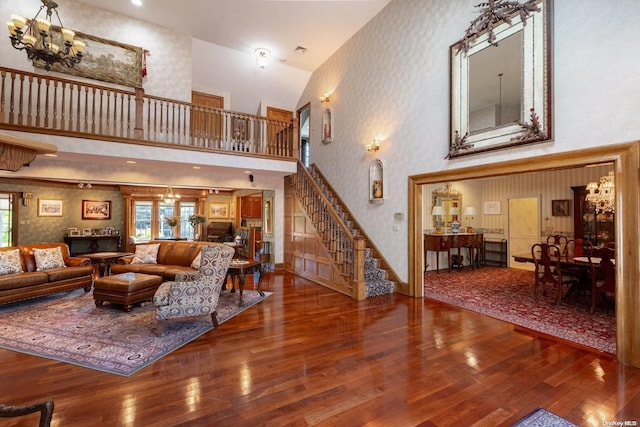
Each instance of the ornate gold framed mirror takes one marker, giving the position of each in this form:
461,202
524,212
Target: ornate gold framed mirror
500,78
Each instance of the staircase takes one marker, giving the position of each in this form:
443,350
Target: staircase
375,276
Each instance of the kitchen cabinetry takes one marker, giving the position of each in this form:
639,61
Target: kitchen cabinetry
251,207
599,229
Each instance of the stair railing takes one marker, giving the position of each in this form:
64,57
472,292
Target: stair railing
347,251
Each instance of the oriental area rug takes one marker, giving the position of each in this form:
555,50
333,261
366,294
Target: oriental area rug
543,418
70,328
508,294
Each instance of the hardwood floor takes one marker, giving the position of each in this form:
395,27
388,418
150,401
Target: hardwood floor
310,356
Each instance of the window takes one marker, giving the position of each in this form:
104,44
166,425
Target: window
149,219
143,219
8,215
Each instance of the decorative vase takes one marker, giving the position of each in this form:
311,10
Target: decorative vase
455,226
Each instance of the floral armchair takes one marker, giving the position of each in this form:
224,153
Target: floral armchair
195,294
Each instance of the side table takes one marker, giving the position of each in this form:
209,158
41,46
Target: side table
104,260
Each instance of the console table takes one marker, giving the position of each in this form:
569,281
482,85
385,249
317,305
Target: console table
445,242
95,243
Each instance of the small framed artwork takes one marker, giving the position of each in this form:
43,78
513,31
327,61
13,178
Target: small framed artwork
86,232
109,231
48,207
560,207
96,209
491,208
327,126
74,232
218,210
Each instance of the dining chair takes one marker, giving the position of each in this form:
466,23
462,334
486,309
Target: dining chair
603,274
548,271
45,408
581,247
559,240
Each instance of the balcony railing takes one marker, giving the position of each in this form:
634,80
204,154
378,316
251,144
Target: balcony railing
41,103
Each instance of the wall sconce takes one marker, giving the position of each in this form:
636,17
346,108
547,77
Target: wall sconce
83,185
262,57
325,98
26,198
374,145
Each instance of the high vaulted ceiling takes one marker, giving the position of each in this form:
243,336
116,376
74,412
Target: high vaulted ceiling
320,26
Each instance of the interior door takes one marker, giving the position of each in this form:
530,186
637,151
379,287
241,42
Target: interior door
206,126
524,228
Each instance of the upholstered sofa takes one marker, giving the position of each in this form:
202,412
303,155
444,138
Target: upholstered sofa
172,257
23,276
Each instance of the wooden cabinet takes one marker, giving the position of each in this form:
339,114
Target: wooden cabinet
599,229
251,207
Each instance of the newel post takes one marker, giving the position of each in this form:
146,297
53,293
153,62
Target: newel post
358,285
138,130
295,138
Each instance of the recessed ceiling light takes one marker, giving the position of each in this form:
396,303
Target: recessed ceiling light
196,167
51,155
137,2
131,162
247,171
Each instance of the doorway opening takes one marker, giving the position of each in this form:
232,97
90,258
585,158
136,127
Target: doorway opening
304,114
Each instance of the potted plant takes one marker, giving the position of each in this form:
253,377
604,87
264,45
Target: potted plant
172,221
195,220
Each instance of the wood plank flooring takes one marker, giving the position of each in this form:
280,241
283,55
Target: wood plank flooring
308,356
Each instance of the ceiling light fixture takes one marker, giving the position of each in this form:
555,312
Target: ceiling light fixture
262,57
603,194
36,37
170,196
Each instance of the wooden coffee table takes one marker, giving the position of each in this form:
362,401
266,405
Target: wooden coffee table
104,260
126,289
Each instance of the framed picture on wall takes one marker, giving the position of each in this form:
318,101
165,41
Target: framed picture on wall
96,209
49,207
560,207
218,210
491,208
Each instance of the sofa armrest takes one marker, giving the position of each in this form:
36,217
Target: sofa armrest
76,261
125,259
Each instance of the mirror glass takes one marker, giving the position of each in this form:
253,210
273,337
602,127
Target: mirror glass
495,84
500,82
449,199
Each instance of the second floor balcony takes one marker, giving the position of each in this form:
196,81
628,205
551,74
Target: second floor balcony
42,103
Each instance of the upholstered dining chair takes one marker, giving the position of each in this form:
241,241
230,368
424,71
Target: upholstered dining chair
603,274
548,272
45,408
197,294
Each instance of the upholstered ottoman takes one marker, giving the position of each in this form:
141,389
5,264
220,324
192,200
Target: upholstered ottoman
126,289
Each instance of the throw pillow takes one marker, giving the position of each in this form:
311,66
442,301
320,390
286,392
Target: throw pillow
10,262
196,262
146,254
49,258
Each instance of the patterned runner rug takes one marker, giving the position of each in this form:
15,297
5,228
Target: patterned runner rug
507,294
70,328
543,418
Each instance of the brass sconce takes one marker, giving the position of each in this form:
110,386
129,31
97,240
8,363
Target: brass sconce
325,98
373,146
26,198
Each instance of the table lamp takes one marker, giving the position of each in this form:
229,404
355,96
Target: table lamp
469,211
438,211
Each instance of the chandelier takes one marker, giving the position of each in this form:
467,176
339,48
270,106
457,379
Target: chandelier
169,196
602,194
41,41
